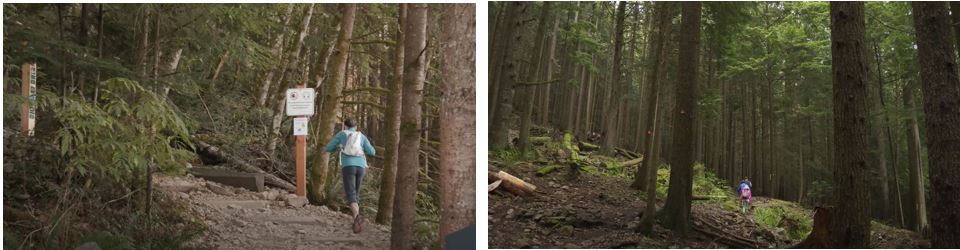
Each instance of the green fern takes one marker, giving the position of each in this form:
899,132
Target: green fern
131,127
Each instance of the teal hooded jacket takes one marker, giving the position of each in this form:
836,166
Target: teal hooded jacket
338,142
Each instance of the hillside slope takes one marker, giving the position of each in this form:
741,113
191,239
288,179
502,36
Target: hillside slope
596,208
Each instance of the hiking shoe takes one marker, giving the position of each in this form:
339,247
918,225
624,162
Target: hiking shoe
357,224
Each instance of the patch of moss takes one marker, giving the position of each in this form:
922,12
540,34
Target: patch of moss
780,214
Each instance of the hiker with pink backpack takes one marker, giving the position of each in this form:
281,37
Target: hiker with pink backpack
746,195
354,147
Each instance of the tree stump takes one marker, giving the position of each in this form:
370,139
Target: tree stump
820,235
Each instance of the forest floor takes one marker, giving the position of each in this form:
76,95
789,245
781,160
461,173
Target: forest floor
598,209
237,218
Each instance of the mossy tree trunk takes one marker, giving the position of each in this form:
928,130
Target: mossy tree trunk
331,105
389,176
408,163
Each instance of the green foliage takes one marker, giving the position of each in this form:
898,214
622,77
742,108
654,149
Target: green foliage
11,108
706,183
768,216
796,221
663,181
119,137
507,156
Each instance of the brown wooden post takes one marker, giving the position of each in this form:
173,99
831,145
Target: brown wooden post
27,112
301,165
301,159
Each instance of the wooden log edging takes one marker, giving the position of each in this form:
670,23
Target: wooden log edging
213,152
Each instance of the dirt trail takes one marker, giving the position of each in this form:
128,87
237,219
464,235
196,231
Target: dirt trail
240,219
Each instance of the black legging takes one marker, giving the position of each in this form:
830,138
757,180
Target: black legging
352,176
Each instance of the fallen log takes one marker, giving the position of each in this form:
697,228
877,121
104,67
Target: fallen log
206,150
547,170
586,146
726,239
708,197
631,162
539,139
627,153
250,181
493,186
514,185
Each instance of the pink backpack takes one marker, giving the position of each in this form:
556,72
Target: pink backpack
746,194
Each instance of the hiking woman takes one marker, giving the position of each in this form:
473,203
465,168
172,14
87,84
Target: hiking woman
354,147
745,198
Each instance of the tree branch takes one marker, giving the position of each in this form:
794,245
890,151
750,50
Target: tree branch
370,104
528,84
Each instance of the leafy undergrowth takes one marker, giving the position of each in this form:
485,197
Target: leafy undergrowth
794,221
43,209
81,177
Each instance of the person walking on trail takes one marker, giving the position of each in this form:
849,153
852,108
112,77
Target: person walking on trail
746,195
746,198
354,147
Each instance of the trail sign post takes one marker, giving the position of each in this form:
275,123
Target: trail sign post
300,103
28,112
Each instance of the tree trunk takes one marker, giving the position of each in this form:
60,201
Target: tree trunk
96,90
851,226
457,127
82,42
216,71
885,139
284,82
941,104
144,48
331,104
512,34
414,42
527,92
544,113
879,148
660,11
917,192
657,59
955,15
63,58
277,51
650,166
617,89
677,208
156,49
392,120
170,69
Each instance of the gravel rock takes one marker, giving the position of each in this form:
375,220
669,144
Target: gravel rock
221,190
233,227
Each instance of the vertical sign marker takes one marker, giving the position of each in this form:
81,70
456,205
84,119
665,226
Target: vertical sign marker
28,114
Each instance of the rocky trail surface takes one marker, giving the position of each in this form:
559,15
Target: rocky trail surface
237,218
